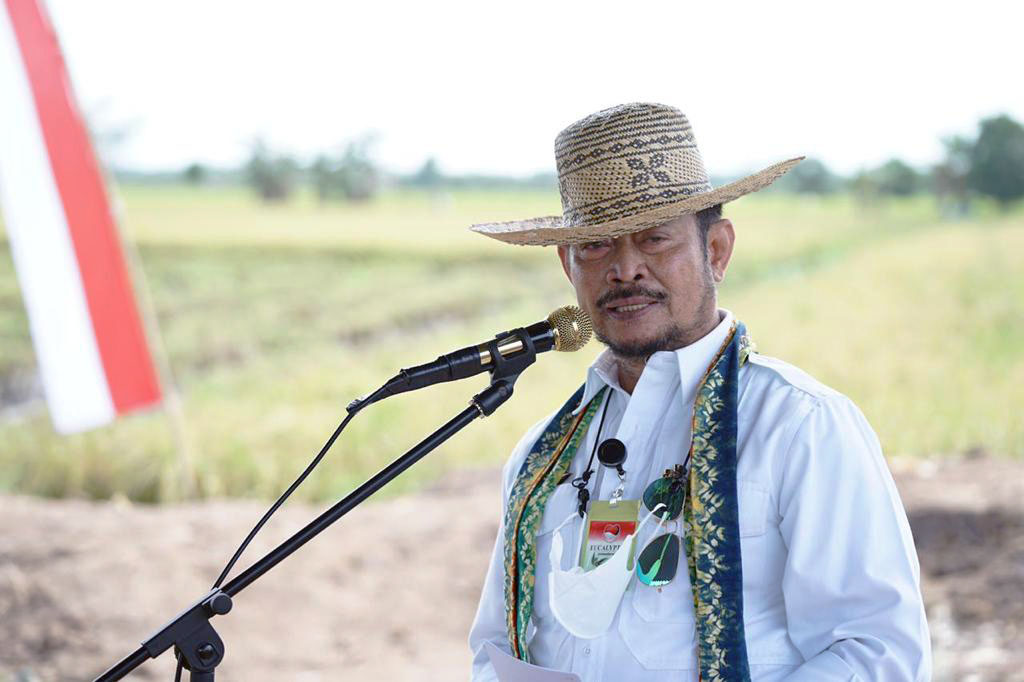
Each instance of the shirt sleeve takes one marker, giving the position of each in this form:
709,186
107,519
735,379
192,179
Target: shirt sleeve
489,624
851,582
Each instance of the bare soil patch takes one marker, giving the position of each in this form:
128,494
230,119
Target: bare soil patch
389,592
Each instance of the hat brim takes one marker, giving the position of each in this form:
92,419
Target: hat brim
551,230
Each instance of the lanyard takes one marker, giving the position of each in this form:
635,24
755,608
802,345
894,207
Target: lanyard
580,482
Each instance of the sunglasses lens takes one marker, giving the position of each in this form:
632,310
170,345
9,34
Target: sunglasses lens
657,564
669,492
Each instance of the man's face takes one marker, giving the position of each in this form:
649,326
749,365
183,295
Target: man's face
652,290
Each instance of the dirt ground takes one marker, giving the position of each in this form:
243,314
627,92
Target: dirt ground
389,592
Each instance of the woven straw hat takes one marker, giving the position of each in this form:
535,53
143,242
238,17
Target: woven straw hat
623,170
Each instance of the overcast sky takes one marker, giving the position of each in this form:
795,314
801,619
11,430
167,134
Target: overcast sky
485,87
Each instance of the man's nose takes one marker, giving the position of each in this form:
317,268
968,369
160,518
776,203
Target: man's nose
627,264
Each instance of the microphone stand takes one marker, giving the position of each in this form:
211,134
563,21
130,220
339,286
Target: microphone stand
191,634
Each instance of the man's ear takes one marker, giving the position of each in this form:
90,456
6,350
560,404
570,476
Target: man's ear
721,239
563,255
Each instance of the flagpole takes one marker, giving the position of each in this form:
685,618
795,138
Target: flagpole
184,442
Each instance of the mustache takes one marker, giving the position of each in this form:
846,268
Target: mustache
629,292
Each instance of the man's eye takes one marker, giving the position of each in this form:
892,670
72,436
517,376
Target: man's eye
593,250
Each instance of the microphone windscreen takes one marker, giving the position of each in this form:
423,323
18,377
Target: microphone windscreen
572,326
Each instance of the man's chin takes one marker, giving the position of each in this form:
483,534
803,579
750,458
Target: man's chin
642,347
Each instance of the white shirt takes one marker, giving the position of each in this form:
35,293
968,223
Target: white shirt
831,587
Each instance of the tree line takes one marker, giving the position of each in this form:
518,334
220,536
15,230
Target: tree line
990,164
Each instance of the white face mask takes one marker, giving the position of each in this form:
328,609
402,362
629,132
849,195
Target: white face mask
585,602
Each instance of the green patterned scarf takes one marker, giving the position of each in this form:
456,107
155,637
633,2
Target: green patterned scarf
710,515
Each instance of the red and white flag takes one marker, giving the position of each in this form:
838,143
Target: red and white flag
89,339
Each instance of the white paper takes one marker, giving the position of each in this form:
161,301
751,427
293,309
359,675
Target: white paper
511,669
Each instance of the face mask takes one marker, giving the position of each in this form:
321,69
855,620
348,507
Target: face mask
584,603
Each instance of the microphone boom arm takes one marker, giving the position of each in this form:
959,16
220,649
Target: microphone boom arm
191,633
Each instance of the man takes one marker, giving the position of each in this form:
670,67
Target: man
779,550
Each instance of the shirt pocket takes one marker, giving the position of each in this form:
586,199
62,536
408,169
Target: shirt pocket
657,626
753,508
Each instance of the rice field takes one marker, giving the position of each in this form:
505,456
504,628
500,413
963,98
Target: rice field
275,317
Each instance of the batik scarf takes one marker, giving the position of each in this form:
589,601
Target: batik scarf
710,515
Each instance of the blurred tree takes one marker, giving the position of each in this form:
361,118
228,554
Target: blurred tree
897,178
195,174
352,176
273,177
949,178
864,186
429,175
358,174
322,173
997,160
810,177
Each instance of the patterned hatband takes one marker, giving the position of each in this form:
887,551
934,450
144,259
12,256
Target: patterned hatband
623,170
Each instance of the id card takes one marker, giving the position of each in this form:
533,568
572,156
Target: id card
607,528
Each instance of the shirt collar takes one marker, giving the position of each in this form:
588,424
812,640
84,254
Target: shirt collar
693,361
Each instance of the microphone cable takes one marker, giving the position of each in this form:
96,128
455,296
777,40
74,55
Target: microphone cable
287,493
273,508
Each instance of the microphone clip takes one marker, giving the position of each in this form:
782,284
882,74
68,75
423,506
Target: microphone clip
511,367
504,371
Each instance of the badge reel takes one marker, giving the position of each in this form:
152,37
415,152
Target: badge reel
612,453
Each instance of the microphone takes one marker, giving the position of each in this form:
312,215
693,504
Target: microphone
566,329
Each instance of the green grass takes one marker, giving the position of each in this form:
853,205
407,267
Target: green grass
274,318
924,333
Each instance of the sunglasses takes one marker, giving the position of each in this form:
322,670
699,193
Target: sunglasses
656,566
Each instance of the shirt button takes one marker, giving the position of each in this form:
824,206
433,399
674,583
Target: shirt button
587,651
